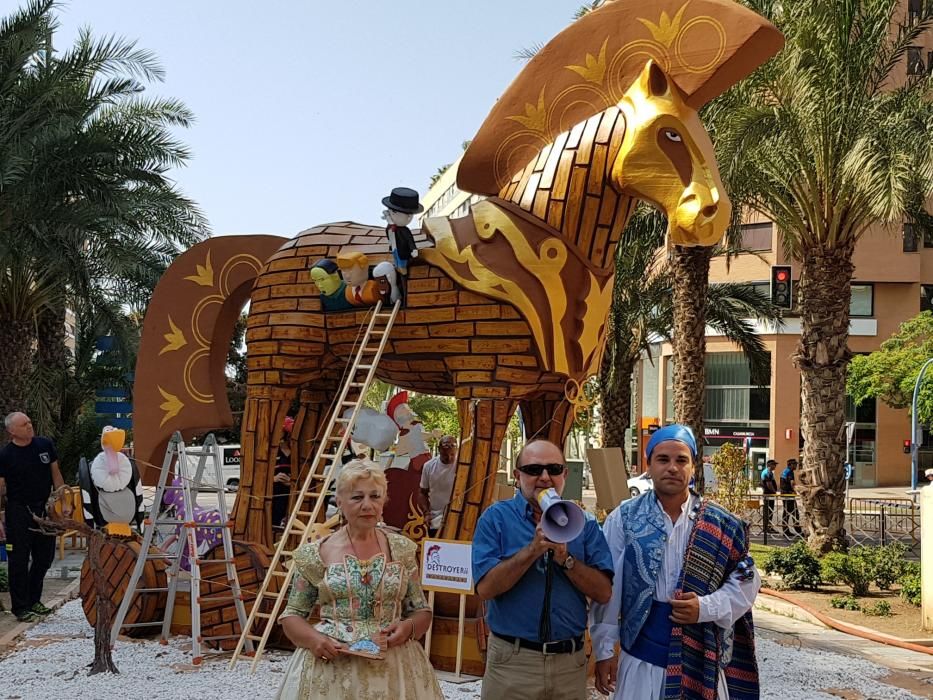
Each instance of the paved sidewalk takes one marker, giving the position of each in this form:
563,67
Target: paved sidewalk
61,585
909,670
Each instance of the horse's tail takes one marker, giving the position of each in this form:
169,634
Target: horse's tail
180,382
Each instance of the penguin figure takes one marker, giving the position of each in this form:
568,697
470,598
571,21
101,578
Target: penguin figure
110,486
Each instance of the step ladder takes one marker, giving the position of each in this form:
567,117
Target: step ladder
191,484
310,500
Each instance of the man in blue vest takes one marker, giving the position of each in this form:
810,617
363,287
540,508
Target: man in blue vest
682,592
536,590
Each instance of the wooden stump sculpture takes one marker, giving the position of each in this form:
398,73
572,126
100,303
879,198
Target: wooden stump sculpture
504,306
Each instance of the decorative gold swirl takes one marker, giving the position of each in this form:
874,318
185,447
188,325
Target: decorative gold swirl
416,529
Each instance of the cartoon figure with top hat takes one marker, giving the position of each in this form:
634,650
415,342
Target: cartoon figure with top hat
401,205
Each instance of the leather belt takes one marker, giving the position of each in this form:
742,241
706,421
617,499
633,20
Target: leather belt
564,646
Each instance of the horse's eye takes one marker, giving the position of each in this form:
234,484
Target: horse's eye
672,135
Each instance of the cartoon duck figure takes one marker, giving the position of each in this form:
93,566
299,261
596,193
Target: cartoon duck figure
326,277
354,268
110,487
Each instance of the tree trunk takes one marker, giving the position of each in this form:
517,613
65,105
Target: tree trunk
617,403
16,358
823,358
103,656
690,270
54,359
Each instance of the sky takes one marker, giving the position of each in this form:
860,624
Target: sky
310,112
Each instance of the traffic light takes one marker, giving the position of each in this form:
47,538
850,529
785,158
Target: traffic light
907,447
781,286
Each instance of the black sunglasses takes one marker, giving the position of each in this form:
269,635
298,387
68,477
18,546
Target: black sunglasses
537,469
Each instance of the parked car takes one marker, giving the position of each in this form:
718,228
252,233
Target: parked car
229,469
637,485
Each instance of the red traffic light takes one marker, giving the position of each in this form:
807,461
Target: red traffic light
782,275
907,447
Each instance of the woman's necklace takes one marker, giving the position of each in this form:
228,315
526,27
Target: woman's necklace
366,578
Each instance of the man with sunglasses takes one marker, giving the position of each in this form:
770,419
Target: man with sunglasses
683,589
536,604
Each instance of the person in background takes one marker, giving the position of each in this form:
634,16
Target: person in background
790,518
437,482
929,476
769,488
282,475
28,473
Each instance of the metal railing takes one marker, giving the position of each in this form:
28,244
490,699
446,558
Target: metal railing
868,521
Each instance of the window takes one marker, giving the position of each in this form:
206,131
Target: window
910,239
915,61
756,237
862,301
730,395
926,297
914,9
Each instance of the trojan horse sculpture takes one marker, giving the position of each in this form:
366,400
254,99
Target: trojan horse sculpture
506,306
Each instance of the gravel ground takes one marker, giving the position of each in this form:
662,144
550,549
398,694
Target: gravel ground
50,664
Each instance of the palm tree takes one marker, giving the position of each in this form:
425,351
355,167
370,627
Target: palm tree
827,140
644,310
87,212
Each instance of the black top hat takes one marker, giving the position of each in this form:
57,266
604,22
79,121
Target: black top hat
403,199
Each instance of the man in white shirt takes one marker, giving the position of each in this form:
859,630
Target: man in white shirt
437,482
682,591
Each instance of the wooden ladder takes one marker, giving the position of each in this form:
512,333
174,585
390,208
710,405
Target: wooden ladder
177,454
310,500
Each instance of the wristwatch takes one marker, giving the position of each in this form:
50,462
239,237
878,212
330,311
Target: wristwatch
568,562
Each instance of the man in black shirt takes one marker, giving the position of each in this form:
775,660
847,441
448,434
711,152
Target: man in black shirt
28,471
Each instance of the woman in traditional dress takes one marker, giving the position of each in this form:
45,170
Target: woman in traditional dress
365,582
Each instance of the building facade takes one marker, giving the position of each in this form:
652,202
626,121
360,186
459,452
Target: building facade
893,281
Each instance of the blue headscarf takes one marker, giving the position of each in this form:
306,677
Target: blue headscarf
674,431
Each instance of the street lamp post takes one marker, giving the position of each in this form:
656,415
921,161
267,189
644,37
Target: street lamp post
914,444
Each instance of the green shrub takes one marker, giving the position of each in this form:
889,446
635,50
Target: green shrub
4,579
910,583
863,565
889,564
855,568
797,566
844,602
880,609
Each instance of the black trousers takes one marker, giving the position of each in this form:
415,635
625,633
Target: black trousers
791,517
29,554
768,508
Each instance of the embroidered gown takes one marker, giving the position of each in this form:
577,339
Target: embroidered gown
356,600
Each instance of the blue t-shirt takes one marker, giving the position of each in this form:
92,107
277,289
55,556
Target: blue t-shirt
503,529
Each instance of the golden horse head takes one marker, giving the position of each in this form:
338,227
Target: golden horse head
666,158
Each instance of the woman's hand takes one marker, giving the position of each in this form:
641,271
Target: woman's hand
323,647
399,632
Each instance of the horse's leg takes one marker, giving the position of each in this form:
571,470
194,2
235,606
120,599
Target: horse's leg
263,416
483,425
547,417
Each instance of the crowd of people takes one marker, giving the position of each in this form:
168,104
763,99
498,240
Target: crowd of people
665,586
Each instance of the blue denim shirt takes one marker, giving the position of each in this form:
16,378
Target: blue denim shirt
503,529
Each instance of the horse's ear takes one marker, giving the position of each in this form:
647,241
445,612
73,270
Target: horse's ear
654,80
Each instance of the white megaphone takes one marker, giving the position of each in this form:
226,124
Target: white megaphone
561,521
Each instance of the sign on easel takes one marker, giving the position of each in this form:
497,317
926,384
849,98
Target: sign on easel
446,566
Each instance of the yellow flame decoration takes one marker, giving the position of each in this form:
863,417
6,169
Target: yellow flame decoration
175,339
